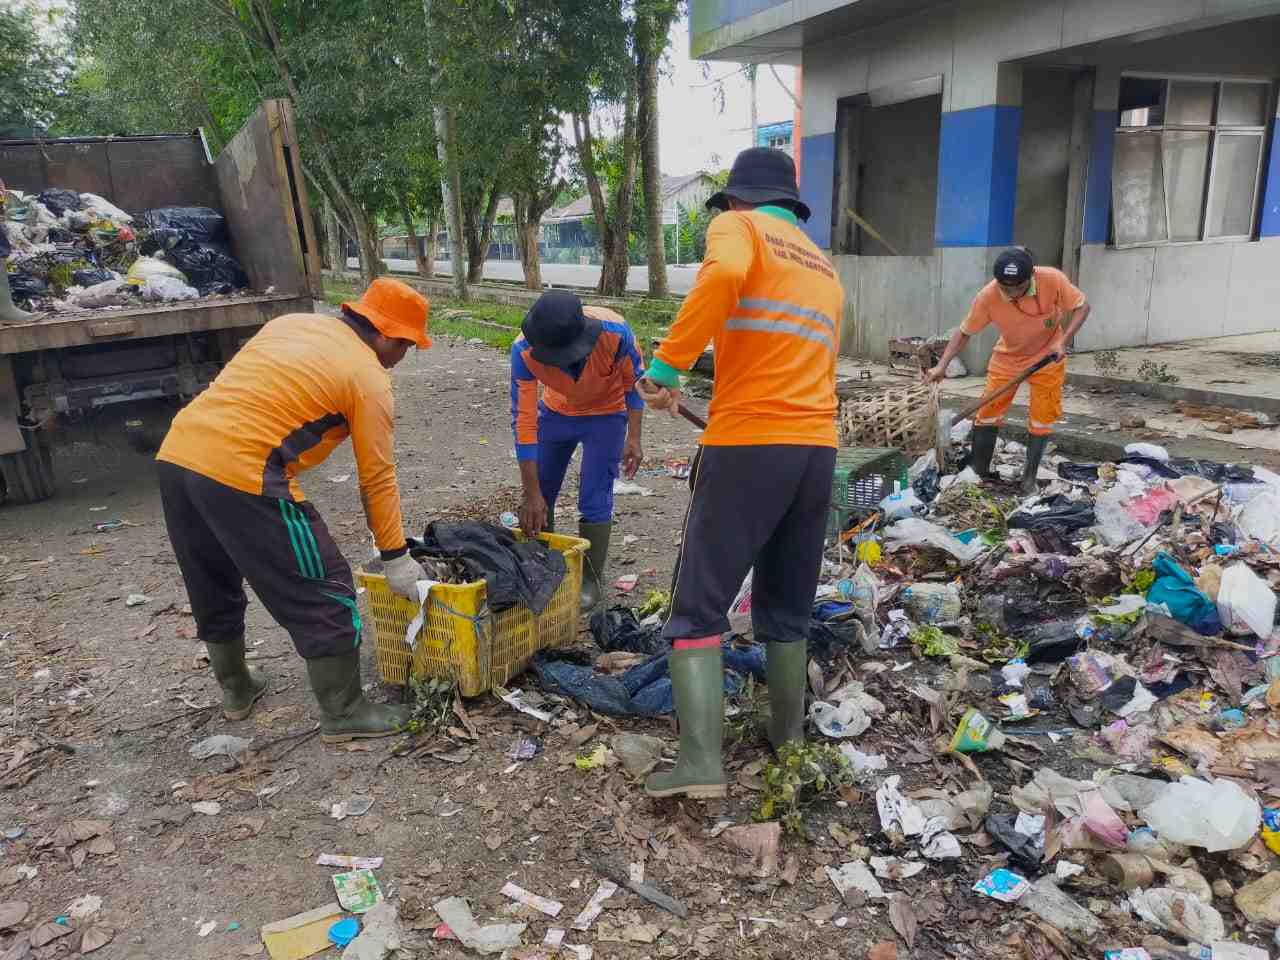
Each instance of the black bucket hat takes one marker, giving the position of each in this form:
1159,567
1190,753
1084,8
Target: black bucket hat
559,333
761,175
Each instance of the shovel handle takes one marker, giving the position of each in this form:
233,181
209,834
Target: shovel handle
692,417
1009,387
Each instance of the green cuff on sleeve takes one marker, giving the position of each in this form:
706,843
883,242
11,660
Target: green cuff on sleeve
663,374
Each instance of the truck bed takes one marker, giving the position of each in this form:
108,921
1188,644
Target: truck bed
51,331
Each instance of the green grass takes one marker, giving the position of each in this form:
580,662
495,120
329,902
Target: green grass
497,324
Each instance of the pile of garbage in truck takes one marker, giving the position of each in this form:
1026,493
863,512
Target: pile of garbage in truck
72,251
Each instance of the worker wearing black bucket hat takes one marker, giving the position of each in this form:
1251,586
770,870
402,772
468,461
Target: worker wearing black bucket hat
761,482
587,362
762,175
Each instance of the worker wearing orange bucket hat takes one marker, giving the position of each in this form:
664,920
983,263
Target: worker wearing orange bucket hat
234,510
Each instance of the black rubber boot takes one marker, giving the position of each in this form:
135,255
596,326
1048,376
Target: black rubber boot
345,712
697,682
594,562
1035,451
241,686
787,675
984,448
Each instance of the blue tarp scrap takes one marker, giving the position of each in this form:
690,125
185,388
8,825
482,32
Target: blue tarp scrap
642,691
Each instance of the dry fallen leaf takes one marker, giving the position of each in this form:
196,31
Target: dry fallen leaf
13,913
903,918
47,933
790,870
885,950
78,856
493,841
174,846
823,914
101,846
96,937
760,841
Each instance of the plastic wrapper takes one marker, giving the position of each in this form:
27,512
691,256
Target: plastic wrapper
146,267
901,505
1115,524
1259,519
1245,603
932,602
923,533
1178,912
166,289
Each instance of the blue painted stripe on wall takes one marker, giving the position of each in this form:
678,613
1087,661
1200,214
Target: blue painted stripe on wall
1270,223
977,177
1097,190
817,180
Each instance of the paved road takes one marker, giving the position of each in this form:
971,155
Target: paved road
679,279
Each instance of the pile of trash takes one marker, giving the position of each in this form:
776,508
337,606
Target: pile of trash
72,251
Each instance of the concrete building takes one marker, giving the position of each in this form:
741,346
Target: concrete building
1131,142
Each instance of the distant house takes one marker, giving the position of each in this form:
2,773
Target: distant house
776,135
679,193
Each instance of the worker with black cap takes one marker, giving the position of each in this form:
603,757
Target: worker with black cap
761,481
587,362
1037,311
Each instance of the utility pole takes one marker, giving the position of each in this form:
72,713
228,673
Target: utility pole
755,120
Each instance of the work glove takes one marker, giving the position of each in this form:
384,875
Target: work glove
403,574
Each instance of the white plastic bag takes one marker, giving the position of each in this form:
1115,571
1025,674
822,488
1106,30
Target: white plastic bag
145,267
956,368
105,209
1178,912
923,464
108,293
1149,450
1216,816
900,505
166,288
1245,603
932,602
1259,519
917,532
1112,521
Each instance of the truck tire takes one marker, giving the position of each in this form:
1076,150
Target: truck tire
28,476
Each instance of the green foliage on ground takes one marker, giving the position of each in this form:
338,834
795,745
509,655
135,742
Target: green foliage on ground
802,774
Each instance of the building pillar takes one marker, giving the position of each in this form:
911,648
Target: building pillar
1269,222
797,125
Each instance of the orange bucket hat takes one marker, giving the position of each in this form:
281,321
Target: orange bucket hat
396,309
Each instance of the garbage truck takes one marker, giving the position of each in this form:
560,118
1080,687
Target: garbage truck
117,375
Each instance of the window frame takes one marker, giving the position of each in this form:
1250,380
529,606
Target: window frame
1214,129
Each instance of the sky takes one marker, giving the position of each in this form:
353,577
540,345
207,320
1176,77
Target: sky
693,134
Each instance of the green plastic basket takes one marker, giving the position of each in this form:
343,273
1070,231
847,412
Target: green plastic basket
863,477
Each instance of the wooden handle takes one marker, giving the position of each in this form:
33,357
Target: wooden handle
999,392
692,417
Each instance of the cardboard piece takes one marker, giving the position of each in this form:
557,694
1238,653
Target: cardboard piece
302,935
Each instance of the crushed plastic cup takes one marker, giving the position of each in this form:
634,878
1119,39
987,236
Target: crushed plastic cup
976,734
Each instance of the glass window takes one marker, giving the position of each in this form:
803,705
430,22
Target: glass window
1187,159
1235,183
1244,105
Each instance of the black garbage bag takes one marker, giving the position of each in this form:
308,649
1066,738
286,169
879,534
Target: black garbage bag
618,629
208,268
1052,642
87,278
1063,516
516,571
59,201
162,239
193,224
1025,852
24,287
926,486
829,639
5,247
1078,472
1177,467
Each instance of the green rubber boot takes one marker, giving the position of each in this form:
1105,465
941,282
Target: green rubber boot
697,681
241,685
1035,451
594,562
787,675
984,448
345,713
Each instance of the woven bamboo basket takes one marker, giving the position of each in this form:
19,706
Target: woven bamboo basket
902,417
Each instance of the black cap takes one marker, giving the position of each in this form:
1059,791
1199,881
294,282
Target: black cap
1014,266
761,175
559,333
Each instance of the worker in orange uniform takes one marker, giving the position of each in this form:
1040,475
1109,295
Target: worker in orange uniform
761,481
234,511
587,362
1037,311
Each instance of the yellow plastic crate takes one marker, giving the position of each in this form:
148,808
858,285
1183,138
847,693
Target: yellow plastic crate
461,639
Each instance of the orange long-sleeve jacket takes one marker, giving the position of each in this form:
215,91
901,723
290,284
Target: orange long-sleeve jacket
288,398
769,300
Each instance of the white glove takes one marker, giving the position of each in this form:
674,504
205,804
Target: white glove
403,574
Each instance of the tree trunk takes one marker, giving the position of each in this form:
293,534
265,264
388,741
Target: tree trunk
428,269
613,236
648,50
411,233
480,235
334,244
451,193
527,216
367,244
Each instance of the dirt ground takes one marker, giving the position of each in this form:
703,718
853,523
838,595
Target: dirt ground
102,701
